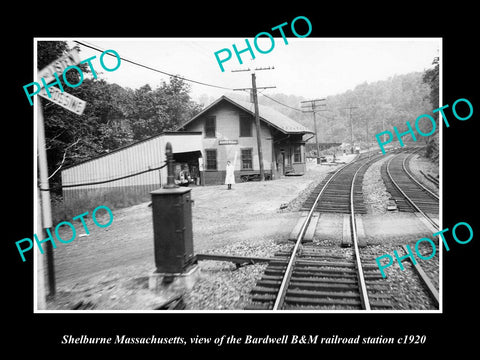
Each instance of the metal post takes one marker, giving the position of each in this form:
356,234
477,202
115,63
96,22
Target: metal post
170,167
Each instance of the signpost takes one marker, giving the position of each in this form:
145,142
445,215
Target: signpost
70,103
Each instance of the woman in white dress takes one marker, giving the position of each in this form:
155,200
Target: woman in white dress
230,175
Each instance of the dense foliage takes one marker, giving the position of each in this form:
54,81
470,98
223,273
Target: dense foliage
114,116
117,116
376,106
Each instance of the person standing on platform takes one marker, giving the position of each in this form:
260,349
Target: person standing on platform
230,175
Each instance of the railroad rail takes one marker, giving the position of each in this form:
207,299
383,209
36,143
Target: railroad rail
335,198
412,196
319,277
409,194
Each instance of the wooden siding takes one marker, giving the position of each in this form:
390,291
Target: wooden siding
139,157
227,121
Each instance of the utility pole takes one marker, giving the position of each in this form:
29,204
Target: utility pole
257,126
253,90
351,125
314,109
368,138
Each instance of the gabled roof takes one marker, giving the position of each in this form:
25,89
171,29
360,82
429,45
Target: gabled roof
270,116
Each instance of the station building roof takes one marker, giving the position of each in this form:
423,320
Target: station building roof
270,116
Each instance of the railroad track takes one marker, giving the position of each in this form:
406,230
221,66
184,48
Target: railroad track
336,197
409,194
412,196
315,277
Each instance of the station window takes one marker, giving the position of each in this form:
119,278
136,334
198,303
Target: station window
211,159
297,154
210,127
247,163
245,126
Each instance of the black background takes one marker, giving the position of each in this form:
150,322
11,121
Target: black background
454,329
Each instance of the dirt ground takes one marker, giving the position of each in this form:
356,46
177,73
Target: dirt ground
110,267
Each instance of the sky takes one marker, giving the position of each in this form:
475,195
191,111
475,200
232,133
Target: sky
308,67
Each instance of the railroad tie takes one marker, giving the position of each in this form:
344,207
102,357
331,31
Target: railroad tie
347,234
361,237
296,230
312,226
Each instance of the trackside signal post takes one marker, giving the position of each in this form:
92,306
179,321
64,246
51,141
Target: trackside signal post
172,234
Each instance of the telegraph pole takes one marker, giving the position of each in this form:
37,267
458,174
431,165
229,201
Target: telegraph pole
253,89
314,109
351,125
257,126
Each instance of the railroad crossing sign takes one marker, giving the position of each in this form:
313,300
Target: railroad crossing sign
64,99
58,66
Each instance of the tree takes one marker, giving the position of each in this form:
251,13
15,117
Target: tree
114,116
49,51
431,78
71,138
379,106
163,109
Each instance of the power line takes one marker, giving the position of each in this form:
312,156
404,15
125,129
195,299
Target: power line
313,104
177,76
278,102
257,116
153,69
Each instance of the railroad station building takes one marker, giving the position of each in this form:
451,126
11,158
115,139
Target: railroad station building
229,134
224,130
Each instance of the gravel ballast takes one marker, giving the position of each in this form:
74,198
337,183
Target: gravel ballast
109,269
387,231
252,219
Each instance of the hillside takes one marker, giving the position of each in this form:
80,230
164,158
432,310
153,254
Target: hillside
375,106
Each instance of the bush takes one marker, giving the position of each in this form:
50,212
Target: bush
89,199
432,150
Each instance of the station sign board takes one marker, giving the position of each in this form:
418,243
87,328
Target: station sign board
227,142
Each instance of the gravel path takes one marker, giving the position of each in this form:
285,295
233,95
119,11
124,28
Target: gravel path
252,219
